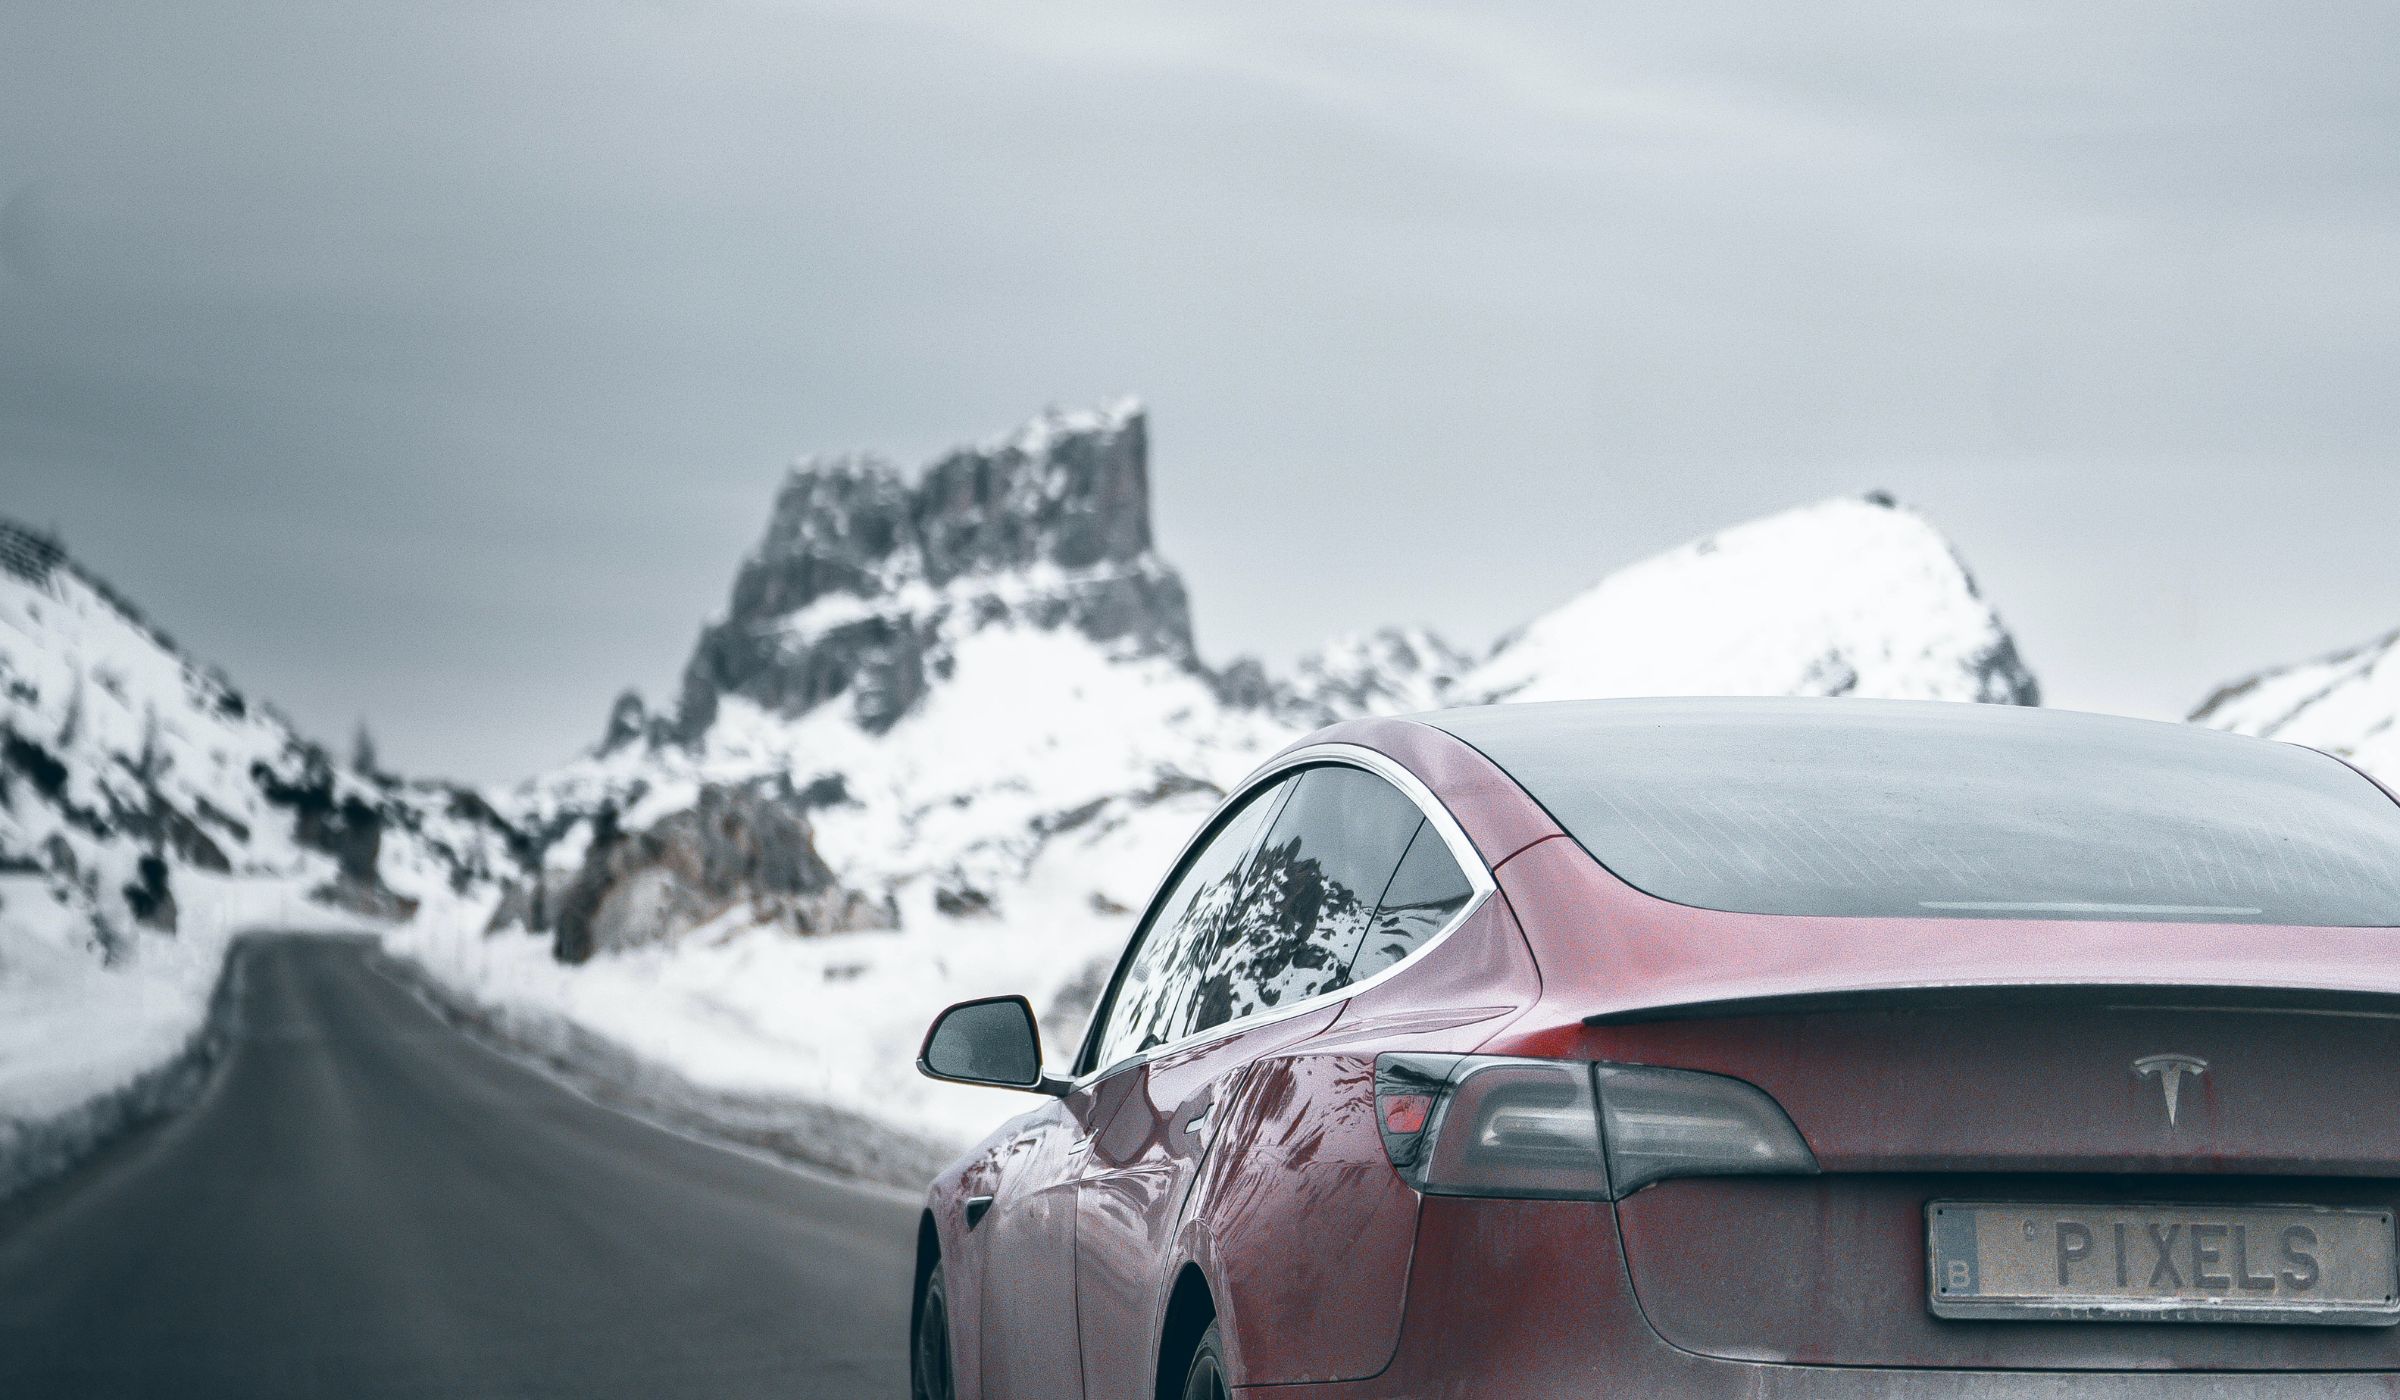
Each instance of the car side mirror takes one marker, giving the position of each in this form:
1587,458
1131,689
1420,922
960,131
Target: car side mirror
991,1041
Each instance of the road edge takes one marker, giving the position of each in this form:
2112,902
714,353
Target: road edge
793,1131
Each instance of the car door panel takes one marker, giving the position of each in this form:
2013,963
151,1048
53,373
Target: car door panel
1293,921
1310,1228
1149,1004
1311,1232
1136,1177
1243,955
1028,1346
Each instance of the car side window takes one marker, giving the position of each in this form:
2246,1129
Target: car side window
1426,893
1310,893
1155,993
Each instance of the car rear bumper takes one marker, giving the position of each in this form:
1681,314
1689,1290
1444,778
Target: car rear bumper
1531,1300
1701,1379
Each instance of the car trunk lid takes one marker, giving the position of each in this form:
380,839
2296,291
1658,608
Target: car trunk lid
2140,1097
1929,1060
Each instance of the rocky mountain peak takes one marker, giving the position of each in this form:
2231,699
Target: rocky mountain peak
866,573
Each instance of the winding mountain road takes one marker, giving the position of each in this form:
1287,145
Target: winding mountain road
365,1203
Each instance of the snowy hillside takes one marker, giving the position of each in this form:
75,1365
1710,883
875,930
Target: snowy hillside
149,809
1848,597
969,700
2345,704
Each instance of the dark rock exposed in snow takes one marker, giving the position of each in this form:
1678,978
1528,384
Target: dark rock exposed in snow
748,845
630,722
29,554
325,817
149,897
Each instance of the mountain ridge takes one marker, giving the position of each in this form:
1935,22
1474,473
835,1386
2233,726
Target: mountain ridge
2346,702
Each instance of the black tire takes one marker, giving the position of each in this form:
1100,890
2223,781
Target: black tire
929,1376
1205,1380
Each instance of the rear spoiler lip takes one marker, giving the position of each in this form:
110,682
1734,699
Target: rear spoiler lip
2301,998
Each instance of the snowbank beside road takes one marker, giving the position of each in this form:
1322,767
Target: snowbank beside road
745,1008
89,1050
749,1012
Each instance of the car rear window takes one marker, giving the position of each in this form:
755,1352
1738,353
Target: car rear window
1882,808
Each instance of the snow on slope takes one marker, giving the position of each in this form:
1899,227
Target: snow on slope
1389,671
1847,597
1004,755
149,811
2347,704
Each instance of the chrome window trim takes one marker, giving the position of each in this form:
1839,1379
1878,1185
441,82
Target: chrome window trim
1470,863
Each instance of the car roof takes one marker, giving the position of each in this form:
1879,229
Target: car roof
1477,723
1666,957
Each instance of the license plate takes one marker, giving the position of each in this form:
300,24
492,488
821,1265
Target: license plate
2288,1264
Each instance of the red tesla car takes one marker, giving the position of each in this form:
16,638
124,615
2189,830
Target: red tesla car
1712,1048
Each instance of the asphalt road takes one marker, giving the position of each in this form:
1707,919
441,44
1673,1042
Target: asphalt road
364,1203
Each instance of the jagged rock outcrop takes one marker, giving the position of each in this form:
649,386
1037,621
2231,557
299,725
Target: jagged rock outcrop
630,722
746,846
865,575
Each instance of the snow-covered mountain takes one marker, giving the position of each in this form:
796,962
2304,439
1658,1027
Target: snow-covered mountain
1848,597
966,705
149,808
135,783
2347,704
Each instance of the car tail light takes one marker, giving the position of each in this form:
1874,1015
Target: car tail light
1678,1122
1477,1125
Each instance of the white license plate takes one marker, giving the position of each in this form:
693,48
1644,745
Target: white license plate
2161,1263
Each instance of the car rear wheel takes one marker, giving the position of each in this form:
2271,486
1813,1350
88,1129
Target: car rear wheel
929,1350
1206,1378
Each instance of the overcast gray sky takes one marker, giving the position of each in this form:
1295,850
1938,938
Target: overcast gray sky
434,363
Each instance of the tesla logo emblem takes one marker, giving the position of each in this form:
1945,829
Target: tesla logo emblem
2170,1070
